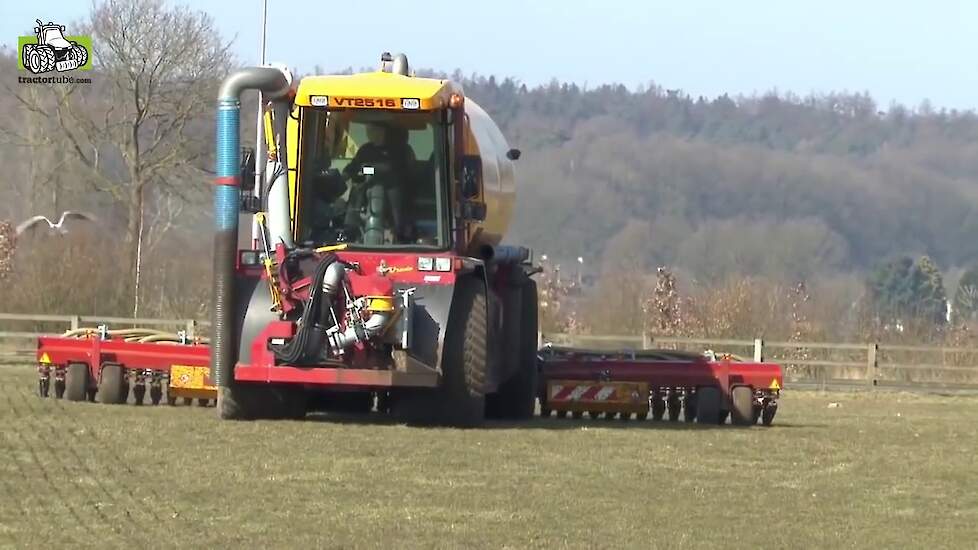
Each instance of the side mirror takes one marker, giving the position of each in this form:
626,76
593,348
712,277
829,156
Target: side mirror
513,154
471,176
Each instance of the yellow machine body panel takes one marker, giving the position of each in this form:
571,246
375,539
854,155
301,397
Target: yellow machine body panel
377,90
382,90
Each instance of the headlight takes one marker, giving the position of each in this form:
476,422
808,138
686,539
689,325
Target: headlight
249,257
443,264
425,263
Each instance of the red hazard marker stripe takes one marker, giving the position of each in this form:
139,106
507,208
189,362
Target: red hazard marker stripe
590,394
227,180
563,393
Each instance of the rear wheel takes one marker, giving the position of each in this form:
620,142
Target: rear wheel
110,385
515,398
767,415
76,382
708,405
742,406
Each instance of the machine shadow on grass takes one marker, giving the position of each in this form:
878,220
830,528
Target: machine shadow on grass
550,424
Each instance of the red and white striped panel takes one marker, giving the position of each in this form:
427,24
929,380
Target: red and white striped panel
591,392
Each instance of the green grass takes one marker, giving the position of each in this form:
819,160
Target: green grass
878,471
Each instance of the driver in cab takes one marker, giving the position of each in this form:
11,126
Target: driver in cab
384,158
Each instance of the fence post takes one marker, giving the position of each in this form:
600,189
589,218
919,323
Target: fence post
191,329
758,350
75,322
871,364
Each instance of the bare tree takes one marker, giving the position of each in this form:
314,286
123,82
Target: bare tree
138,125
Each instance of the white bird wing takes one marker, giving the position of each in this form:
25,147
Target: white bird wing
77,215
31,222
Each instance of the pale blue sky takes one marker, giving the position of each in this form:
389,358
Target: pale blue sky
905,51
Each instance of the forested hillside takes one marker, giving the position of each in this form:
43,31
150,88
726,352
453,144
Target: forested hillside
774,185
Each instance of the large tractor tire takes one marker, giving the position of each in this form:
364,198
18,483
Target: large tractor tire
41,60
708,405
111,385
25,54
80,53
76,382
742,406
515,399
460,399
260,401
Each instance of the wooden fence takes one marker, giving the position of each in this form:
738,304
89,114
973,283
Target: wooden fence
807,364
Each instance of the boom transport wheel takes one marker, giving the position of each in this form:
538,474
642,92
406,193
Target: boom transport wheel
464,362
44,387
577,415
767,415
708,405
742,406
594,414
59,389
515,397
76,382
110,385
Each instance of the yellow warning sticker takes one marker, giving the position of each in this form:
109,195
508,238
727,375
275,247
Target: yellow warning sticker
45,359
774,385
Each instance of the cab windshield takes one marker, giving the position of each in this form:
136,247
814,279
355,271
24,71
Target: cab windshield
372,179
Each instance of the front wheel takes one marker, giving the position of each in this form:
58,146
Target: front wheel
464,363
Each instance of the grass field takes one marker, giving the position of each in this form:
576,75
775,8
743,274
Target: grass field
876,471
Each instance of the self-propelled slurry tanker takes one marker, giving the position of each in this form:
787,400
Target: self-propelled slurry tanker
379,271
369,273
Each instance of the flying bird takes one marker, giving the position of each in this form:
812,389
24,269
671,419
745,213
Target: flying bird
59,227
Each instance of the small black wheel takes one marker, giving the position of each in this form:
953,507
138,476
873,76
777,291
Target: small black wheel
188,401
767,415
203,402
610,415
561,414
674,406
138,393
594,415
689,408
76,382
111,385
59,389
577,415
44,387
625,416
642,415
155,394
171,400
742,406
708,405
658,406
756,414
544,413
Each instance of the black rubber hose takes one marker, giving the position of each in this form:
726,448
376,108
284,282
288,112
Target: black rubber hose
308,341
